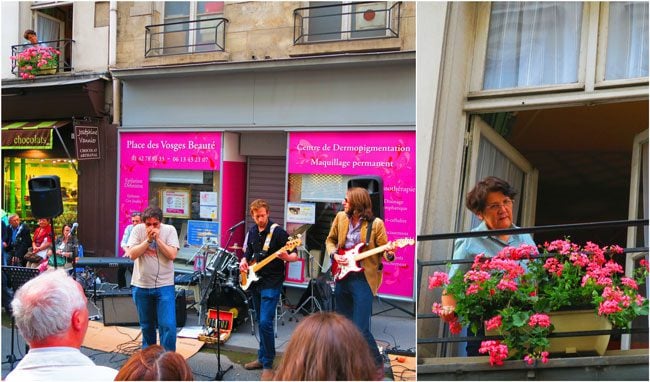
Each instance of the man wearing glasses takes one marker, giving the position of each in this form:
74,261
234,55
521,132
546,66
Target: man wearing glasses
136,218
153,247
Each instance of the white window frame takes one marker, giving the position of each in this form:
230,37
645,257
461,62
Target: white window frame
193,16
601,62
480,51
636,178
346,23
480,130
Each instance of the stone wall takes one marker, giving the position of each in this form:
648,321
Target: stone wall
257,30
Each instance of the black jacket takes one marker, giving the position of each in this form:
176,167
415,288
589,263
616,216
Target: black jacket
272,275
23,241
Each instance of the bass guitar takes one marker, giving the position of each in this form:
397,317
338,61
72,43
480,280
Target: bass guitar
250,276
354,255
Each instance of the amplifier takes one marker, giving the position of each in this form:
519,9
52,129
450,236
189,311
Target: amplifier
118,308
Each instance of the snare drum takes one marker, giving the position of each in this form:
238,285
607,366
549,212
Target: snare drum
221,261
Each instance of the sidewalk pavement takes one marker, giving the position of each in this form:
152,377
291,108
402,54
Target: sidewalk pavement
392,328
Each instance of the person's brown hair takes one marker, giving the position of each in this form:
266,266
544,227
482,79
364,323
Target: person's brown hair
327,347
28,32
152,212
359,201
155,364
477,197
259,203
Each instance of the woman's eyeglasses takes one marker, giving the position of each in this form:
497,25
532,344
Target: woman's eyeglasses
507,204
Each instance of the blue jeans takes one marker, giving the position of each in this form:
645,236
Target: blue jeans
354,301
157,307
265,302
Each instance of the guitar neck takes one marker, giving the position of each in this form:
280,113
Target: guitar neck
262,263
371,252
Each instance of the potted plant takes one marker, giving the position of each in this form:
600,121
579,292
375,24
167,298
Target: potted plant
515,293
37,60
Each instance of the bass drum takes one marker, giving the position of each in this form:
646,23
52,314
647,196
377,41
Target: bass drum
231,299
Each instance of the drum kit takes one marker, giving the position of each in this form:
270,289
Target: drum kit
222,289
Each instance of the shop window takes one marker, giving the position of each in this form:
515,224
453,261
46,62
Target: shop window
532,44
183,34
185,195
325,193
16,198
627,40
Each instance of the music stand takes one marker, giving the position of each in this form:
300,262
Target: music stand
17,277
311,299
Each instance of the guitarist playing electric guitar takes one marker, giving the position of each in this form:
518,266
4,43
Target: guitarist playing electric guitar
354,292
265,239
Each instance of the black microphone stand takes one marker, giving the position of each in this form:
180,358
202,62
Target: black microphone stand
220,372
52,244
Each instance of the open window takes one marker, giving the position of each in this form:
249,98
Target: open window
637,237
489,154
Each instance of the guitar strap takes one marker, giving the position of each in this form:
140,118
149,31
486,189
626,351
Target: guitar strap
369,231
267,242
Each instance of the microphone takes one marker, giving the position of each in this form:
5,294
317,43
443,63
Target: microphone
236,225
73,229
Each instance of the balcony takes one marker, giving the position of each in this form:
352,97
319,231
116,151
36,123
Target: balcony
65,46
185,37
345,22
438,358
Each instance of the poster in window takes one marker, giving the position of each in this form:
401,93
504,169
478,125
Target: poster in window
175,202
198,231
295,271
304,213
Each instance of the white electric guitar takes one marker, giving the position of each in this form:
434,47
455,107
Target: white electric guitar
353,255
250,276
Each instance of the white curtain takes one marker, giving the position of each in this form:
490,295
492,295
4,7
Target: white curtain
627,41
491,162
47,29
532,44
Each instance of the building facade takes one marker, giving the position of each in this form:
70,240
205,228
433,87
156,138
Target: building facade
226,102
42,111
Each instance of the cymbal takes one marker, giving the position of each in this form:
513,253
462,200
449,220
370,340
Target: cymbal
235,247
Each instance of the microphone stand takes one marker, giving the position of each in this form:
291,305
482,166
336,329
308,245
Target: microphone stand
52,244
220,372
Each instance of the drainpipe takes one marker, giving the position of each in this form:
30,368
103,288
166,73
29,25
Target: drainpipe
112,60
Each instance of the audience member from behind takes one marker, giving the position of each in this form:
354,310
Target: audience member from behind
155,364
51,314
326,346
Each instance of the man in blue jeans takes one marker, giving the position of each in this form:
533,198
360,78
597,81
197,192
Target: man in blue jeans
153,247
263,240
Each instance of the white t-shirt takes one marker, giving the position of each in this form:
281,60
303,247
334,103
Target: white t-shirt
59,364
152,269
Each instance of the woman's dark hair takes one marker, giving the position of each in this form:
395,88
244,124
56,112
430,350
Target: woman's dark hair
155,364
477,197
28,32
359,201
152,212
327,347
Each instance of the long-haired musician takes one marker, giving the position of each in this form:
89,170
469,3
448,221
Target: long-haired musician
354,293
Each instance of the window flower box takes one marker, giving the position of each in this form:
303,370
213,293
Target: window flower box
36,61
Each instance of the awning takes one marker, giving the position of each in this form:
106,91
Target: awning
29,135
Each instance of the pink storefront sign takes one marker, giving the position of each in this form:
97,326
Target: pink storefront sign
141,152
390,155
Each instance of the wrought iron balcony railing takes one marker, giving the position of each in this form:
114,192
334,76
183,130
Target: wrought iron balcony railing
346,21
185,37
440,265
64,46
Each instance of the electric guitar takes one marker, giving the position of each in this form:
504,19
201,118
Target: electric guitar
250,276
354,255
